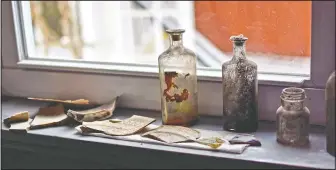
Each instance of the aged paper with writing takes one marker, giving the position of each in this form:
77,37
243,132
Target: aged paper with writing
126,127
173,134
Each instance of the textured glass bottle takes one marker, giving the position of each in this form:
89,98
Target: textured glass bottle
330,125
292,118
240,90
178,81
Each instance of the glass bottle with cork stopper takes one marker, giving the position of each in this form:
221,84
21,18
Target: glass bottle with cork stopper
240,90
178,82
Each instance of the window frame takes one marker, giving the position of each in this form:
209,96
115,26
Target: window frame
139,83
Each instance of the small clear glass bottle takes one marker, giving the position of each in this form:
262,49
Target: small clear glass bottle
330,122
178,82
240,90
292,118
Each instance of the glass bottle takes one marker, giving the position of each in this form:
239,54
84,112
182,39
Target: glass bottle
178,82
292,118
330,125
240,90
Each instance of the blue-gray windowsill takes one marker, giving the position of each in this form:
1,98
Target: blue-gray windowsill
65,142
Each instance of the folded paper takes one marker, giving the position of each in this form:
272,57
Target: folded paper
126,127
224,147
173,134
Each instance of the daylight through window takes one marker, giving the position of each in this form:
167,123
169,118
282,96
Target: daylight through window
279,32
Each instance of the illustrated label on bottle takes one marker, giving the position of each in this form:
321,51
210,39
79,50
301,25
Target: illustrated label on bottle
293,129
169,80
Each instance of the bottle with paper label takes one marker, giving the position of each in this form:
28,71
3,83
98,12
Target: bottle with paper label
178,82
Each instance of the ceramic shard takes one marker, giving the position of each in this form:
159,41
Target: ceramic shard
49,116
98,113
78,101
17,117
213,142
20,126
126,127
173,134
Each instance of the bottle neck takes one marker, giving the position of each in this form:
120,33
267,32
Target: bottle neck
292,98
239,51
176,40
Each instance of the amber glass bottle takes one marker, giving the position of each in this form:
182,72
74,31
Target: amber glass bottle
178,81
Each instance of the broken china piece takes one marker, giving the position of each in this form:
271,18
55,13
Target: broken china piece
128,126
98,113
17,117
20,126
213,142
78,101
49,116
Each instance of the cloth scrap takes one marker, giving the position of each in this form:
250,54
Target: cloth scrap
251,140
240,138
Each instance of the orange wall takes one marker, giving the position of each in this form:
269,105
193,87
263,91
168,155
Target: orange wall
283,28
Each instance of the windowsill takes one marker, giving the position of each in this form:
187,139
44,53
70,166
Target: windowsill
204,74
64,140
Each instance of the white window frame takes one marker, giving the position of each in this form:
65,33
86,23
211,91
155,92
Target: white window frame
139,84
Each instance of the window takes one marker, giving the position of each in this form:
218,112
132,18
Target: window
96,50
118,32
133,32
279,32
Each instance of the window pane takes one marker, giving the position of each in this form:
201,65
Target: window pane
279,32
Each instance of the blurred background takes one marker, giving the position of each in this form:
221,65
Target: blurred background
279,32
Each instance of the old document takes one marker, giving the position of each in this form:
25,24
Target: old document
126,127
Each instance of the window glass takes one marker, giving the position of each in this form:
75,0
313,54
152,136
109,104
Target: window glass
279,32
